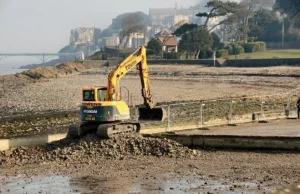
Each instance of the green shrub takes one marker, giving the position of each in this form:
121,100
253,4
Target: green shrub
230,49
252,47
241,43
222,45
172,55
205,54
104,57
262,46
149,52
222,53
238,49
209,53
226,43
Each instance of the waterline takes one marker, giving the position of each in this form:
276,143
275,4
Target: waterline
10,71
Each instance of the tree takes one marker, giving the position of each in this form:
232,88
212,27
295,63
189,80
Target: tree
132,23
116,25
196,40
184,29
291,8
155,46
218,9
239,20
107,32
247,10
117,22
265,26
216,40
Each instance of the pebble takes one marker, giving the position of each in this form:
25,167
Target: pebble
7,153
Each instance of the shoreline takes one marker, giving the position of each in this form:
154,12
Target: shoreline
10,71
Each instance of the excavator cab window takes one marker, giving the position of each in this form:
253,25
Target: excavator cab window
102,94
88,95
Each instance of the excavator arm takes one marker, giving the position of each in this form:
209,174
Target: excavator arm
139,59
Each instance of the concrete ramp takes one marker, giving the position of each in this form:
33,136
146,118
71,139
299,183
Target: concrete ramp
278,135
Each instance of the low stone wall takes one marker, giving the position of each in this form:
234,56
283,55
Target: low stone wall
235,142
6,144
230,62
205,62
262,62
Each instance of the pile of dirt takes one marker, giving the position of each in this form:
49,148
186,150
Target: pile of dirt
43,73
92,147
54,71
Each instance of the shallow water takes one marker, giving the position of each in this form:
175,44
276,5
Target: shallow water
54,184
89,184
7,71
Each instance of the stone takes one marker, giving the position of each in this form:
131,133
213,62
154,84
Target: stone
8,153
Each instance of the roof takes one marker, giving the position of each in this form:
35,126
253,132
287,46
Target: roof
164,32
168,41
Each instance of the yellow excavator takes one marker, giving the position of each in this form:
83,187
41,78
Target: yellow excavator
103,112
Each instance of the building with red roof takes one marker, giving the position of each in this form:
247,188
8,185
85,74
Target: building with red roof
168,40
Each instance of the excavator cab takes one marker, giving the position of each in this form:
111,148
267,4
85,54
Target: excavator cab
93,94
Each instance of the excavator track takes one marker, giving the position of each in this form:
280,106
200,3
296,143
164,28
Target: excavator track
103,130
80,129
112,130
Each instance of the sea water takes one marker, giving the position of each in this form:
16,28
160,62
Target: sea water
7,71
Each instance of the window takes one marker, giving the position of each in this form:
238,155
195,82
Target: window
101,94
88,95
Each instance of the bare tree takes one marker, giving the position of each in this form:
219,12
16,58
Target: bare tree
291,8
133,23
218,9
248,9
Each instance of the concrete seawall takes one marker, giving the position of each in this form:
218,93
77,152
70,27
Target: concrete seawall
236,142
231,62
6,144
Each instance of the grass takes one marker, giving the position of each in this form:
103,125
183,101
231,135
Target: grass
269,54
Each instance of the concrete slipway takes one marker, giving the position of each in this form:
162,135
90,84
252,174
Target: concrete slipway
279,134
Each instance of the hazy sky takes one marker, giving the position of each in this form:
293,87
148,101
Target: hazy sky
44,25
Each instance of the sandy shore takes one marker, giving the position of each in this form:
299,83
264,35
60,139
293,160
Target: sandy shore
178,83
125,165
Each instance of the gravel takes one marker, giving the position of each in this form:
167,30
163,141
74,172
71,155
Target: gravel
92,147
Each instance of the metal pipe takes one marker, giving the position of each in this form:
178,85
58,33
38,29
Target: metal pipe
169,118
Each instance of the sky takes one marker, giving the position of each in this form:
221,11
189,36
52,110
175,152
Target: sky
45,25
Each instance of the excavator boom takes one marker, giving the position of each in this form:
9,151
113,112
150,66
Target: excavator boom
137,59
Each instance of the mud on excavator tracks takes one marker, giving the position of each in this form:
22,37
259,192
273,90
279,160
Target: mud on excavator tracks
102,111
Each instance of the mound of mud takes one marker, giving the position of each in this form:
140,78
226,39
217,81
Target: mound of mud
92,147
42,73
54,71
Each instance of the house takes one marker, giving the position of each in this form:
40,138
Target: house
87,36
112,41
173,20
137,39
168,41
157,15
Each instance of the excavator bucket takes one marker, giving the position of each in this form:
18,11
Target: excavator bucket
154,114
